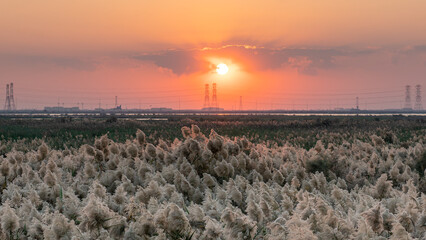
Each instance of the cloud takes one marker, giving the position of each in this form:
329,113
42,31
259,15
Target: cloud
179,61
253,58
250,58
75,63
409,55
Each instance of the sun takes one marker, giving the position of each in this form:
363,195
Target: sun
222,69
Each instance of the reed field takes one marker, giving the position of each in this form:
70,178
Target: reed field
214,177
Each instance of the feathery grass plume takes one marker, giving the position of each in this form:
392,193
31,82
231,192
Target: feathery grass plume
104,141
194,147
9,221
185,167
98,190
161,154
98,144
182,184
388,220
151,150
224,169
71,205
153,190
132,150
237,226
383,188
99,155
90,150
114,149
163,145
377,141
141,137
50,179
213,229
89,170
172,219
60,228
215,143
96,214
195,130
399,232
406,221
36,229
295,182
141,229
234,162
194,179
186,132
299,229
208,180
117,227
43,150
236,196
245,144
420,163
266,209
4,168
374,219
206,155
153,205
421,225
196,216
254,212
278,177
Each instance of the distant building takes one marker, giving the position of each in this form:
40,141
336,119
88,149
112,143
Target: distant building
212,109
61,109
118,108
162,109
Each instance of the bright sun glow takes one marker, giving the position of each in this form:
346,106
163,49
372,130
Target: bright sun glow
222,69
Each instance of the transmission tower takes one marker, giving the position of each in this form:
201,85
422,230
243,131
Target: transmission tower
357,103
418,104
214,97
241,103
206,96
407,105
7,102
11,98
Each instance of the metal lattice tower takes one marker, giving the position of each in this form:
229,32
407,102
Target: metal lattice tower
214,97
241,103
7,102
408,97
206,96
11,98
357,103
418,104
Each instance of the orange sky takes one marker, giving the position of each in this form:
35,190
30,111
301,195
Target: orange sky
281,54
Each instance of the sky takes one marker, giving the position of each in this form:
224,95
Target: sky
281,54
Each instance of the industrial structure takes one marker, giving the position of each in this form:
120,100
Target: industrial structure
214,97
61,109
407,105
206,97
357,103
418,105
213,105
9,104
418,100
